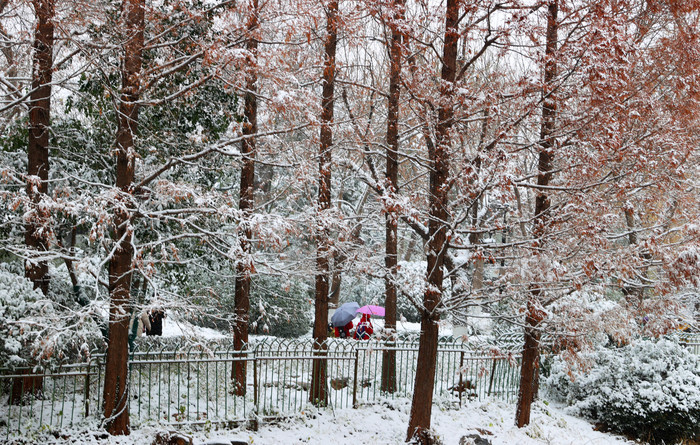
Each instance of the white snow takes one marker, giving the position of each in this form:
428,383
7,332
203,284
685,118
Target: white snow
445,328
174,327
386,423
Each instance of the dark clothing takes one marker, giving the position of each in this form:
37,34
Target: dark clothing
156,319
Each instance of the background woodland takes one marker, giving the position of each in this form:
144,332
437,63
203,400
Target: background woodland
246,164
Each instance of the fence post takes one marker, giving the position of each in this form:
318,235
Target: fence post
87,389
255,393
460,386
354,380
493,371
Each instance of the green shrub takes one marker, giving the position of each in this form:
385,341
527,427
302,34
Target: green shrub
650,390
279,308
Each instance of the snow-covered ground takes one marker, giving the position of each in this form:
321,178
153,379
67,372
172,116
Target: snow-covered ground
174,327
386,423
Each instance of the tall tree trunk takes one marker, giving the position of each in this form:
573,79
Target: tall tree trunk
244,267
632,291
438,156
529,371
475,237
339,259
638,290
38,149
68,261
120,265
408,253
318,391
388,383
35,237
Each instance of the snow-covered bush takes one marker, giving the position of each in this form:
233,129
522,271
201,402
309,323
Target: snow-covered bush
17,299
411,284
35,329
650,389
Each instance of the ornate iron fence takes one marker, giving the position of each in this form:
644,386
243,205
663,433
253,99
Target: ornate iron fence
32,400
193,385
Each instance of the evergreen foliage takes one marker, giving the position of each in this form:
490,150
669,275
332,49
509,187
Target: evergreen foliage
279,307
650,390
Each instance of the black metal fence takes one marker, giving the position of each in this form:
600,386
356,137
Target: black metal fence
193,385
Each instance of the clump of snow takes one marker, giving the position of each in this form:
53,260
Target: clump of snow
35,329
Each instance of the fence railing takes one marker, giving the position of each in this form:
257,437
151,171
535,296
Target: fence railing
49,399
691,341
194,385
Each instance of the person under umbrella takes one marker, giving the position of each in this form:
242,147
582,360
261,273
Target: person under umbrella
343,331
341,321
364,328
371,309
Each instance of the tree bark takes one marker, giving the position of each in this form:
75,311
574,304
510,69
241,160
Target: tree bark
13,93
36,237
475,237
120,265
68,261
529,371
438,157
246,203
339,259
637,291
388,383
21,386
318,391
633,294
408,253
38,147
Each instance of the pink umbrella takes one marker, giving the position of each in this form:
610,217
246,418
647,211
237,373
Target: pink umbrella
371,309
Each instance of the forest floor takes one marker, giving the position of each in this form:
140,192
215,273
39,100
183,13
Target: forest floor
385,424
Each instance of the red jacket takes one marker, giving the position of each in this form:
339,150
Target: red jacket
364,328
343,332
